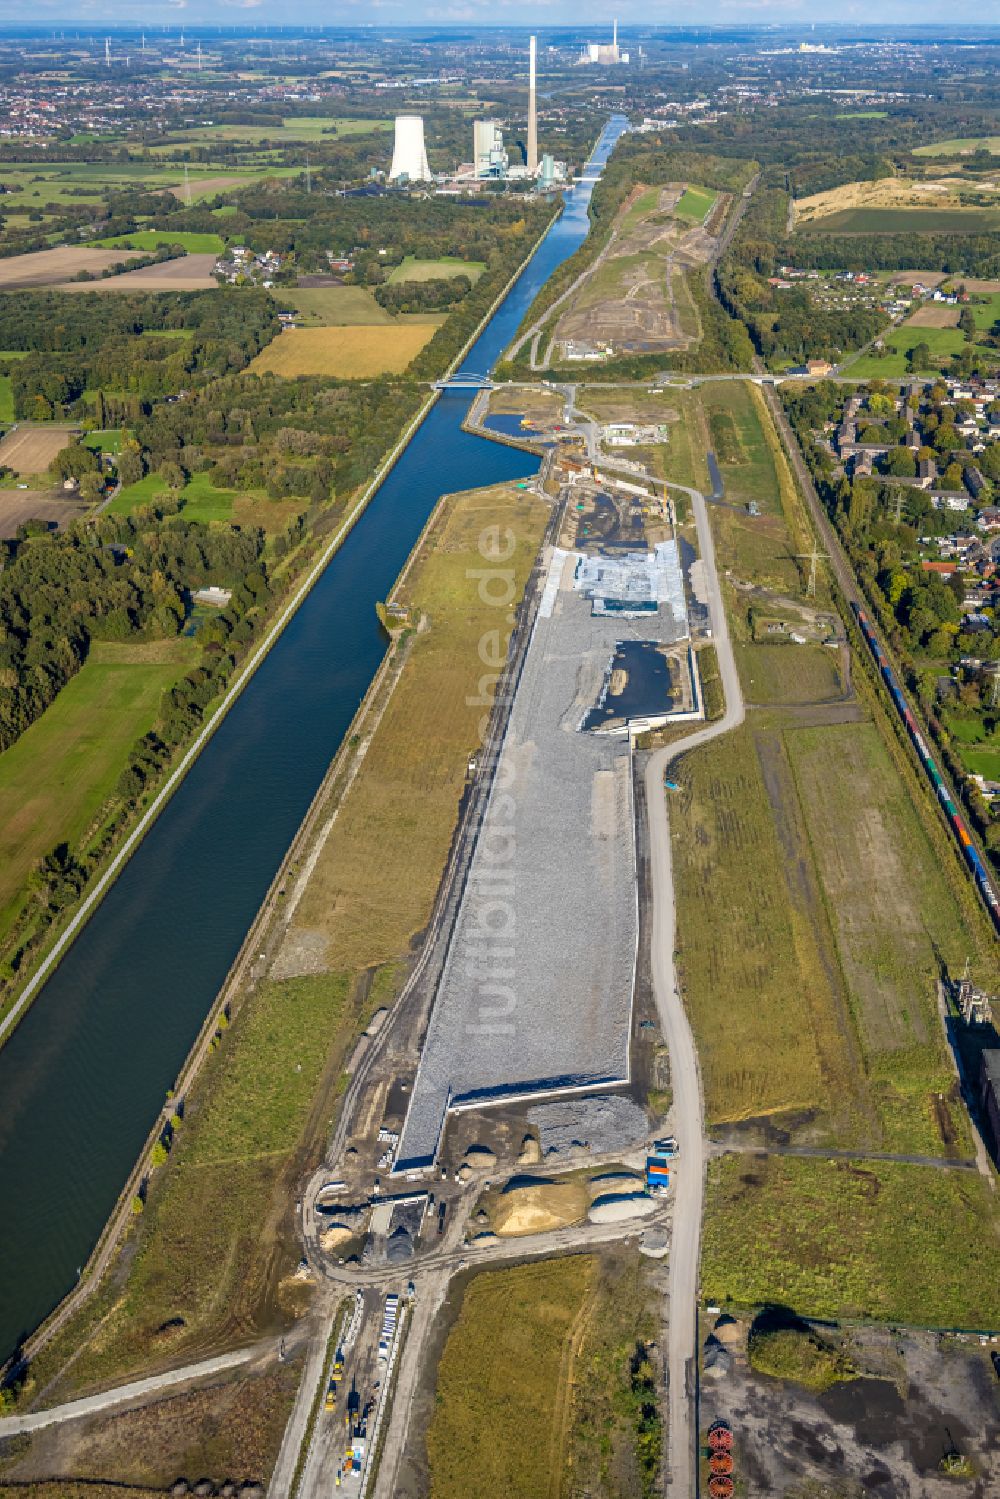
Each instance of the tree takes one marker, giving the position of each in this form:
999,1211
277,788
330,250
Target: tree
172,475
91,488
74,461
902,463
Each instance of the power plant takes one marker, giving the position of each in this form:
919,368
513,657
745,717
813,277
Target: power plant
602,53
409,154
532,112
489,155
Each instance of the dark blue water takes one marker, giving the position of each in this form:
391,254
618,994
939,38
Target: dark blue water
84,1074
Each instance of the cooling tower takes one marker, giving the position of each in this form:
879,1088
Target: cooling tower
532,112
409,157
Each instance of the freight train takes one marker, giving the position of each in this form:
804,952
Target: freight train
969,851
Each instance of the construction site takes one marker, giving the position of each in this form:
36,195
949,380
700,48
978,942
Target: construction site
535,994
636,299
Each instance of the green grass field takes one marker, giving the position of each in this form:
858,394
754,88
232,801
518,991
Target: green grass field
907,221
59,773
981,762
334,306
107,441
803,868
839,1239
141,493
291,128
411,269
542,1382
203,502
863,114
695,203
200,498
959,145
500,1413
151,239
942,343
6,401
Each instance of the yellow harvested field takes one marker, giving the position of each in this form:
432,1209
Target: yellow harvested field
888,192
350,353
49,267
187,273
30,450
934,315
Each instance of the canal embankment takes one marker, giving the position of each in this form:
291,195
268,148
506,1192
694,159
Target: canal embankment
116,1015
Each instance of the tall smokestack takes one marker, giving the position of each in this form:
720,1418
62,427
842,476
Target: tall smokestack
532,111
614,39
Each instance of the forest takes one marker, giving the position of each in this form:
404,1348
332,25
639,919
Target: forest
788,324
312,437
90,342
115,579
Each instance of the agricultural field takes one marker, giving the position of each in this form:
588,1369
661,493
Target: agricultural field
334,307
52,267
189,273
836,1239
573,1420
6,401
350,353
411,269
54,506
151,239
963,145
30,450
291,128
895,205
59,773
910,221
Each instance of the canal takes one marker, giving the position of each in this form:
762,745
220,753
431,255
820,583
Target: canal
86,1071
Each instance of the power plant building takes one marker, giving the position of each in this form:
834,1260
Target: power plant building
606,54
409,155
489,154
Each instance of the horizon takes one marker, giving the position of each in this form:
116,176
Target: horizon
732,17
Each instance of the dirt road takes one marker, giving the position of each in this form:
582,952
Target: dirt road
684,1072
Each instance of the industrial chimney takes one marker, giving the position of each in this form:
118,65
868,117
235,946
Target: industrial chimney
532,111
409,156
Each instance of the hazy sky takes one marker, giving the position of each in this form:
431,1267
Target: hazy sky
496,12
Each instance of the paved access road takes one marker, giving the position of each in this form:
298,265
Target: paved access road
685,1077
156,1384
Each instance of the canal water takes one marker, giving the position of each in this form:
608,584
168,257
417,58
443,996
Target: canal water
84,1074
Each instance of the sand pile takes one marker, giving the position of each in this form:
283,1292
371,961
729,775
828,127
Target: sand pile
531,1205
615,1207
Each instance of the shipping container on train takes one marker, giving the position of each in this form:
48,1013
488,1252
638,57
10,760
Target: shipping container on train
981,877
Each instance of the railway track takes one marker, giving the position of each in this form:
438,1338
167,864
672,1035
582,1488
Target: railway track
941,784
